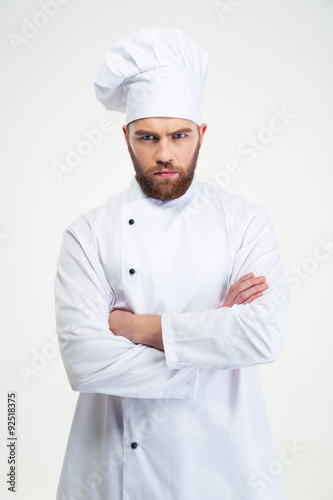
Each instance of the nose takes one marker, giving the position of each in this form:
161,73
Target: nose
164,152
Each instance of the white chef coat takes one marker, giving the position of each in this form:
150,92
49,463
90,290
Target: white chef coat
188,423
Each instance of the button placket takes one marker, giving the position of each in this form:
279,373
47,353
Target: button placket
131,222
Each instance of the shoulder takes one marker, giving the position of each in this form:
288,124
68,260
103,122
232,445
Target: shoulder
236,208
90,222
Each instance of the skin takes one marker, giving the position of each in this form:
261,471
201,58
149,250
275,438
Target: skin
161,150
164,153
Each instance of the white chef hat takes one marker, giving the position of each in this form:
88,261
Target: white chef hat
154,72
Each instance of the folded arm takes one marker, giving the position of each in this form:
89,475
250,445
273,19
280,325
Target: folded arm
147,328
95,359
248,329
244,334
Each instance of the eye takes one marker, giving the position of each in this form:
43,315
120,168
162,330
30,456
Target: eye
147,137
179,136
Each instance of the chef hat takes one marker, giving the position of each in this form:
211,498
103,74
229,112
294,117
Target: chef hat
154,72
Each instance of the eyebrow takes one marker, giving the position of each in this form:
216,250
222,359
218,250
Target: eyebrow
148,132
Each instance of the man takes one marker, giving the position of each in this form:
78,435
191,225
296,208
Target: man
162,306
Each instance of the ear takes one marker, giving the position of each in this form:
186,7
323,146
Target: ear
125,133
202,131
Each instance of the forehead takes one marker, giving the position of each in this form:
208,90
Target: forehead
162,125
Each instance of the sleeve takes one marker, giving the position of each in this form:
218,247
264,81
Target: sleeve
97,361
242,335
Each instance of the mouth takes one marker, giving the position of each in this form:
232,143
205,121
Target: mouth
165,174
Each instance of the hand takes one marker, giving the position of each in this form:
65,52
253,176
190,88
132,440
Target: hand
138,328
245,290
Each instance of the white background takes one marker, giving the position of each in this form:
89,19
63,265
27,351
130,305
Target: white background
263,55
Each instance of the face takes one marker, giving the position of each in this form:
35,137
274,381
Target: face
164,152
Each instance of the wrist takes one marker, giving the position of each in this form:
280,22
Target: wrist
150,330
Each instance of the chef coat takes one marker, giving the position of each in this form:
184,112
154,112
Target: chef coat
189,422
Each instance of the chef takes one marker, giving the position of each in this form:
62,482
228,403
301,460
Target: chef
169,297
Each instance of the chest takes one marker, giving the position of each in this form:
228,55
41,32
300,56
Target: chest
158,261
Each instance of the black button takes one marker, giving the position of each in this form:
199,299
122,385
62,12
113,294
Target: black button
134,445
132,271
131,221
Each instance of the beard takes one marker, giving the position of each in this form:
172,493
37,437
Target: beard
169,188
